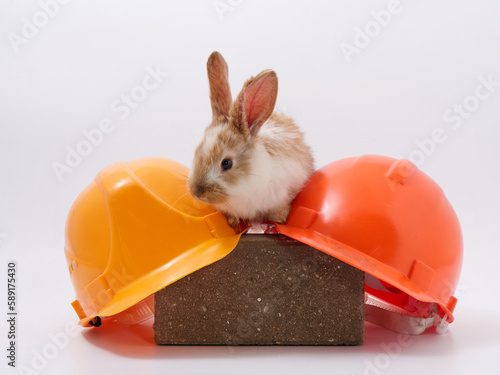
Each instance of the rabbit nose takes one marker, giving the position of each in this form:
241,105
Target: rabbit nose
198,190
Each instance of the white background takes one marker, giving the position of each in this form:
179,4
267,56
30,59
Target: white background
392,94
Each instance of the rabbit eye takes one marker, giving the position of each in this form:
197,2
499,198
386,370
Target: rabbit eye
226,164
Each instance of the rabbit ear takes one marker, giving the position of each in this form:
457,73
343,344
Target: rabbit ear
220,93
256,101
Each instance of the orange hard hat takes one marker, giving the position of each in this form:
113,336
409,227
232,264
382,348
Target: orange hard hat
389,219
134,230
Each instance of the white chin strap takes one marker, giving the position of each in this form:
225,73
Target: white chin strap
399,320
376,312
138,313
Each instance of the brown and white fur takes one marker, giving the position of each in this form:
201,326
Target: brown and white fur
270,161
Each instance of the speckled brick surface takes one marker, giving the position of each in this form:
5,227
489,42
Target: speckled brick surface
271,290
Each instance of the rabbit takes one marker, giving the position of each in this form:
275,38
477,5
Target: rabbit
251,162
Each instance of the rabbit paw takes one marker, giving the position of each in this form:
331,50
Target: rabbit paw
232,220
280,214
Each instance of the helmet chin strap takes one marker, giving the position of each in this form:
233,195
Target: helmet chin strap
137,313
399,320
376,312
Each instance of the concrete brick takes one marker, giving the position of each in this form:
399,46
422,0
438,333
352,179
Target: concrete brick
271,290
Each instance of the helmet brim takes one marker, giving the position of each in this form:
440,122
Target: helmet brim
361,261
199,257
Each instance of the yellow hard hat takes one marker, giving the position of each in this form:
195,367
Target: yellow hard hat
134,230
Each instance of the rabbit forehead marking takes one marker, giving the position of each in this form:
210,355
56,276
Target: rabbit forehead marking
220,141
210,138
